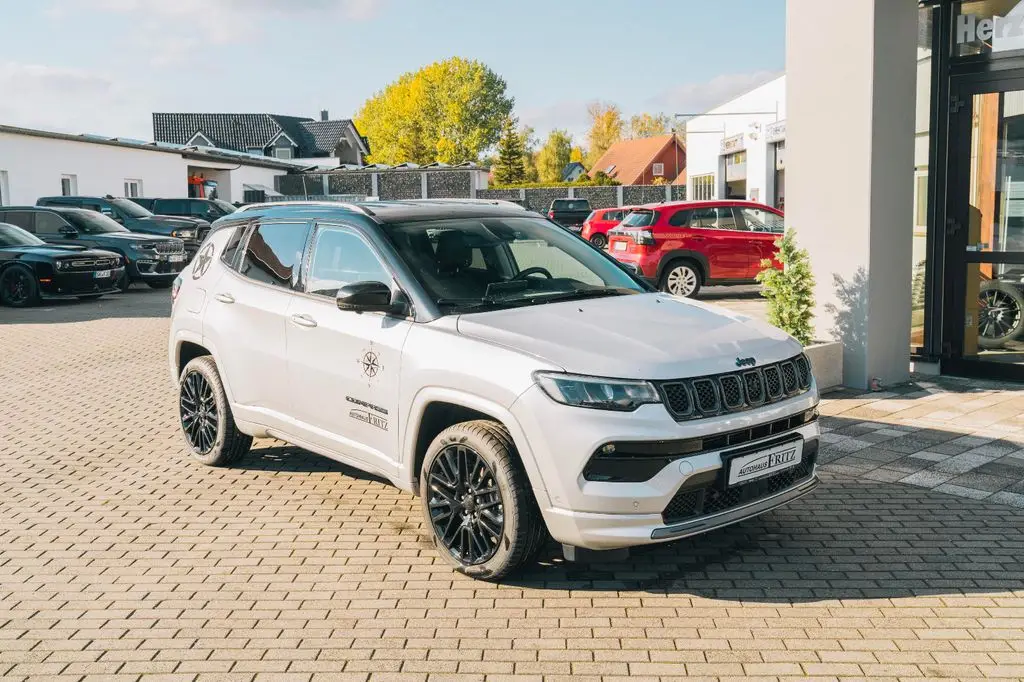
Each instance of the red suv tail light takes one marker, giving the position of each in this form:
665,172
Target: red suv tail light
643,237
551,214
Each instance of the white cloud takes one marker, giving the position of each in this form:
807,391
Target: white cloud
570,115
174,29
695,98
70,100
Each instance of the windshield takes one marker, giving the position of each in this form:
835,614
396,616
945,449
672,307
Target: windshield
130,208
90,222
224,206
477,263
15,236
638,218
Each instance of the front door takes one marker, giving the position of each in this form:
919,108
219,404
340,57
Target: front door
343,366
729,250
984,280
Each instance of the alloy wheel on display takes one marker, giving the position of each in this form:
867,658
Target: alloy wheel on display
199,417
466,510
681,281
999,314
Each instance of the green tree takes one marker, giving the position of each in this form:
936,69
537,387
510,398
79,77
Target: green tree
554,156
647,125
509,167
790,291
448,111
529,137
606,127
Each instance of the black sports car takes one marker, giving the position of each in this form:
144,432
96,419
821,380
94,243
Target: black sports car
31,269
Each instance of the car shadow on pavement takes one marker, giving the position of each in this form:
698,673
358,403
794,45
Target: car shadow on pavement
850,539
293,460
137,302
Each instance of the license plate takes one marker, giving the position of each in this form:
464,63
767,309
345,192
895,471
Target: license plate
176,258
620,246
101,274
765,463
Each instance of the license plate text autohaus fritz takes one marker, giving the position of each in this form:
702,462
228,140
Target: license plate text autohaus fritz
769,461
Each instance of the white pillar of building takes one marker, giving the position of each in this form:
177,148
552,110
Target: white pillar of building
851,84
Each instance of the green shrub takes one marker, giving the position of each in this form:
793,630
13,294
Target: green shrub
790,291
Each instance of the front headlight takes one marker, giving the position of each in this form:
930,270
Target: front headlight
621,395
182,234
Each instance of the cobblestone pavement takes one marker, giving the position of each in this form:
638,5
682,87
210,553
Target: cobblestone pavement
120,558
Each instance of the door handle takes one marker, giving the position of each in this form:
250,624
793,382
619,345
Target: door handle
225,298
303,320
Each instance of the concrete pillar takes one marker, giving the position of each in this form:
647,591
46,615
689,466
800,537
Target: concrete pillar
851,75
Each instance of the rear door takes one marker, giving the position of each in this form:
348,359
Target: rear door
728,251
765,228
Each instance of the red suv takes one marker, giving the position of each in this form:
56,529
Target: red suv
682,246
599,222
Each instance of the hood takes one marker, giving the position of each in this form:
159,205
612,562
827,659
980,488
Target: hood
129,237
173,222
57,250
644,336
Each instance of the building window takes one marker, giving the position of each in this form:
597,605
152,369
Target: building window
68,185
132,188
283,152
657,169
703,187
5,191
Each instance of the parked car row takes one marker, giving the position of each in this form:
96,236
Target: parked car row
84,247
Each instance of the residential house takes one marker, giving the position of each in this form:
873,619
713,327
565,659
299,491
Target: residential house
323,142
644,160
573,172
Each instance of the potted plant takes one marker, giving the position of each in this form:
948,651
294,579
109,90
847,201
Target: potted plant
790,295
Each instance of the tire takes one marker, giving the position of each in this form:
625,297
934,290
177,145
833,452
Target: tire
682,278
1000,314
18,287
494,545
599,240
159,285
201,393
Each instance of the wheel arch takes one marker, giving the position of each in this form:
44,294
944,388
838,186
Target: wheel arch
434,410
672,257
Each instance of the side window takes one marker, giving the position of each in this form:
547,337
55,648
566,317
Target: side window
230,252
172,206
199,208
340,257
23,219
760,220
727,220
679,219
273,254
49,223
705,218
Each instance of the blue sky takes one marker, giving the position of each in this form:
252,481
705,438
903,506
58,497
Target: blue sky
104,65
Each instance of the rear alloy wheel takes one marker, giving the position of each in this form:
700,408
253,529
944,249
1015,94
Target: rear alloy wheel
18,287
206,419
682,279
478,502
1000,314
599,240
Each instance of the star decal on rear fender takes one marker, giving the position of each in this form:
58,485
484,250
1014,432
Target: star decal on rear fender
203,261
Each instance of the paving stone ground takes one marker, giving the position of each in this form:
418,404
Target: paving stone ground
122,559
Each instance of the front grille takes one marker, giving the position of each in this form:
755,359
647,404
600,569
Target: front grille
734,392
714,499
170,247
78,264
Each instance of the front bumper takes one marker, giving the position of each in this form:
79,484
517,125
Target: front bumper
73,284
606,515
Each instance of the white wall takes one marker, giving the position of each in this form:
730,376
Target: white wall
34,167
704,135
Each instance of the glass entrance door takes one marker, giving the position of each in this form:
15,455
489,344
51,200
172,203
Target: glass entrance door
985,233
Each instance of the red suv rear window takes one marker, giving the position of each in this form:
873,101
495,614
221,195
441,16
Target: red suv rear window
639,218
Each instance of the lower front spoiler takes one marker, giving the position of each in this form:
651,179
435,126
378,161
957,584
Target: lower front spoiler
592,536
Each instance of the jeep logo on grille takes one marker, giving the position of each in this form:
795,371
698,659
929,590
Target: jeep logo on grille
745,362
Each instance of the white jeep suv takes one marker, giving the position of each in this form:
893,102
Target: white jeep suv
517,379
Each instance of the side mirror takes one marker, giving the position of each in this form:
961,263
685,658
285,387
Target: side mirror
69,232
366,297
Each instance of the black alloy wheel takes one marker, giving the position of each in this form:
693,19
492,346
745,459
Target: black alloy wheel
199,415
466,509
599,240
1000,314
18,287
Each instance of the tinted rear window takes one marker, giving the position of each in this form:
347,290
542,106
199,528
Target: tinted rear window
570,205
639,219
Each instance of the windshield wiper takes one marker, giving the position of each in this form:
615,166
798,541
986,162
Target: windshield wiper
582,293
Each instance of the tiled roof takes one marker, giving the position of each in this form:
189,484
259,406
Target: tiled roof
244,131
631,158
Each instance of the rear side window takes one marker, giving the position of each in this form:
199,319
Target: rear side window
720,218
172,206
230,253
679,219
273,254
23,219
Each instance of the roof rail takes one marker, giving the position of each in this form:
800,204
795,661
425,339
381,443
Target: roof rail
334,204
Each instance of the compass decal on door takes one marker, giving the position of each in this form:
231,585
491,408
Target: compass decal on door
370,364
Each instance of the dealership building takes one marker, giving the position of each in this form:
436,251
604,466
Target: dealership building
904,179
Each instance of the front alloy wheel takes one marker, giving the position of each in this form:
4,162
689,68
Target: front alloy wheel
466,511
18,287
682,280
199,415
1000,314
206,420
